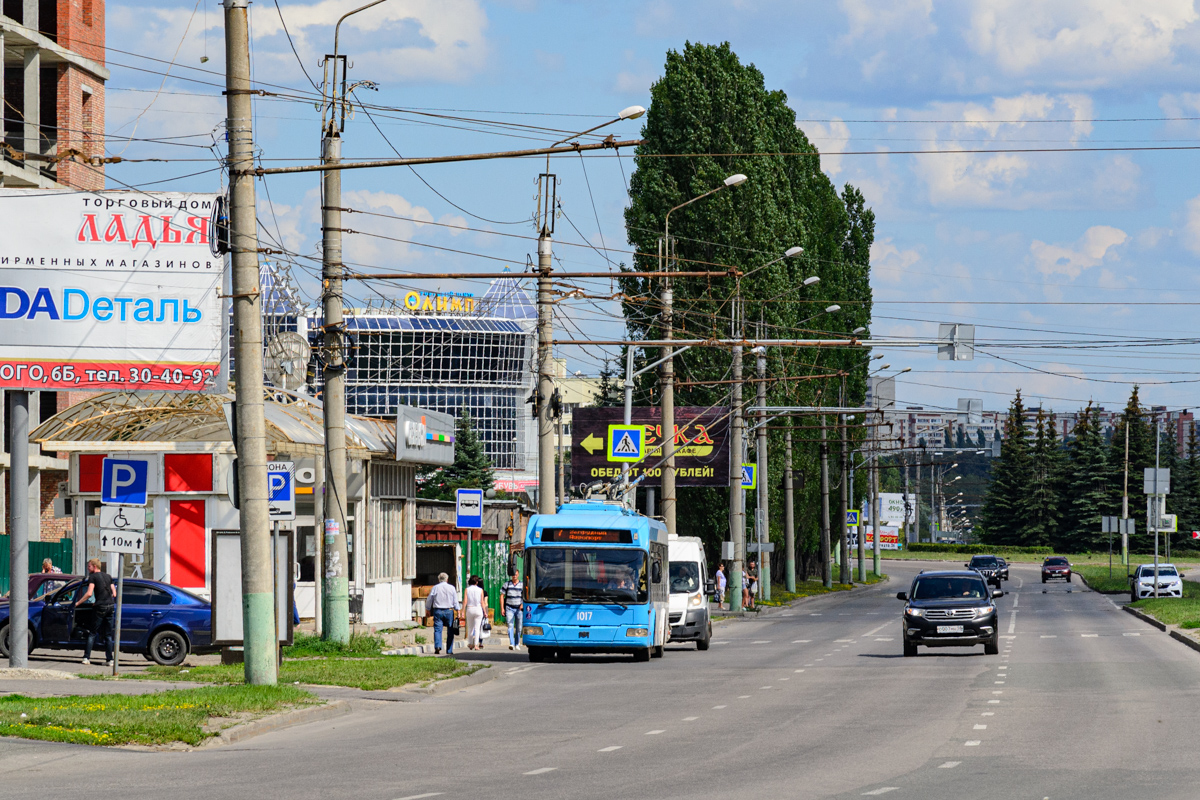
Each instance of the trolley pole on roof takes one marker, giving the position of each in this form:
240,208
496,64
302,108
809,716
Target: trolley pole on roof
258,606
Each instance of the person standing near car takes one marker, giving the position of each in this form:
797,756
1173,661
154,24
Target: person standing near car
513,592
99,586
50,587
721,584
442,604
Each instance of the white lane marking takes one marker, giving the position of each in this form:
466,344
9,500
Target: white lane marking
820,659
972,743
690,719
1012,622
884,640
1131,634
1089,635
880,790
981,727
743,696
988,714
610,748
876,630
419,796
717,708
541,770
949,765
993,702
1016,598
840,641
654,733
802,641
787,615
814,615
762,641
998,683
998,691
799,670
763,688
827,655
785,679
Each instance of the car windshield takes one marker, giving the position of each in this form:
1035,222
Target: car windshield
587,574
949,588
1056,562
983,561
1163,572
685,577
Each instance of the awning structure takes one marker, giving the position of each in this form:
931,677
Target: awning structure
191,422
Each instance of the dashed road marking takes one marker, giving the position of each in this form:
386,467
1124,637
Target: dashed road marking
840,641
420,796
808,665
981,727
998,691
885,640
762,641
814,615
541,770
993,701
998,683
802,641
763,688
1131,634
880,790
972,743
610,748
876,630
1088,635
743,697
1012,622
949,765
799,670
690,719
988,714
654,733
718,708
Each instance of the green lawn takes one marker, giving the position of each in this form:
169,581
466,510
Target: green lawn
305,645
174,716
781,596
384,672
1076,559
1098,578
1184,612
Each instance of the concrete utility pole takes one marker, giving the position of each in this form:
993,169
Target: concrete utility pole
862,525
789,520
737,495
258,606
762,528
1125,502
319,538
545,326
18,565
844,501
876,509
826,567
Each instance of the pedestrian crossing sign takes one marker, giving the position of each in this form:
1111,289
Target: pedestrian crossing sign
749,476
625,442
852,517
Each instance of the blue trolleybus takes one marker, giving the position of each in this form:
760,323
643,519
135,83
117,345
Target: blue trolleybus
595,582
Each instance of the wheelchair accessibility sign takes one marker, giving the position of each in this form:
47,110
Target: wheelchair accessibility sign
625,442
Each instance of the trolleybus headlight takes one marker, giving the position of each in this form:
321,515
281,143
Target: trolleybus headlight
637,632
532,630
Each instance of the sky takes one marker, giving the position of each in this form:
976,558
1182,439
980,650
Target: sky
1076,263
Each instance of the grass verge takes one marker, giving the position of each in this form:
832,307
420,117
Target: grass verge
1076,559
1098,579
781,596
384,672
1184,611
308,645
181,715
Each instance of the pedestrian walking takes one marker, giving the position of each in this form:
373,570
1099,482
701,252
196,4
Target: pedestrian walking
513,592
722,582
100,588
443,605
475,612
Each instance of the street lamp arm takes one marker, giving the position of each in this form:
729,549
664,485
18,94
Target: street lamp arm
338,27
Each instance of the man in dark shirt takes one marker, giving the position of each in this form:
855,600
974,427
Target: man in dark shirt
100,586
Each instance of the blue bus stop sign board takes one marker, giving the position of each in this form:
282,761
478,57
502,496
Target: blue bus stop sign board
468,508
124,481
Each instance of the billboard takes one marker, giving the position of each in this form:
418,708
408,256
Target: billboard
701,445
110,290
889,538
892,508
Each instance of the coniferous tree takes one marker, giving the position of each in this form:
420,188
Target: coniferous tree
1141,452
608,393
1186,489
1003,516
1044,510
1086,498
472,469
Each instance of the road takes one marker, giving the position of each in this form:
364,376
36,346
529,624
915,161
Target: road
1084,701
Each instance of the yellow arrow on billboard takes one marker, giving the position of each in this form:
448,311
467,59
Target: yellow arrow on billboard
592,443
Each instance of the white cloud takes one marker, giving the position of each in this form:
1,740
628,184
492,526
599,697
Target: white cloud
879,18
833,137
1089,42
889,262
1191,225
1091,250
375,250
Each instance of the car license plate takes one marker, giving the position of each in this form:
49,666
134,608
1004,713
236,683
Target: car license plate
950,628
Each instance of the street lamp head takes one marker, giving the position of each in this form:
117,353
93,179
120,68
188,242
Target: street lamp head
832,308
858,330
886,366
735,180
792,252
633,112
906,369
812,280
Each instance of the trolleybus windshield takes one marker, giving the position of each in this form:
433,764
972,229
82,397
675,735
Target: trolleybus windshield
586,575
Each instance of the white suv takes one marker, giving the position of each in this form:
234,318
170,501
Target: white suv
1141,583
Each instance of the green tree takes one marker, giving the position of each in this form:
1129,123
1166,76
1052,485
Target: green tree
1086,498
472,469
1141,452
1185,489
1043,511
609,393
1005,506
708,108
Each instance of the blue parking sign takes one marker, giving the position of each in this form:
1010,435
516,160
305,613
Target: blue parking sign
124,481
281,490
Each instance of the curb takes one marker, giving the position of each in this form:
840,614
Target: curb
301,716
1145,618
1083,580
1189,641
488,673
769,611
414,650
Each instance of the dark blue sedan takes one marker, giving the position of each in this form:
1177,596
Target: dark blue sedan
160,621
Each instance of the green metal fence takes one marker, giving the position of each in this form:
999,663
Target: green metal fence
59,552
489,560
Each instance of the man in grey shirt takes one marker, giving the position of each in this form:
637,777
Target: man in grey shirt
443,605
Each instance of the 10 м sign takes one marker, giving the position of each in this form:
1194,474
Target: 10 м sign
110,290
701,445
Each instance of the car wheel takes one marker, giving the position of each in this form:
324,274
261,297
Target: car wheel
992,648
702,644
656,652
4,648
168,648
642,655
910,649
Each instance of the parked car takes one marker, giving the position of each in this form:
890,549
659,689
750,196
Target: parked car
1003,568
160,621
1141,583
42,582
1056,568
988,567
950,608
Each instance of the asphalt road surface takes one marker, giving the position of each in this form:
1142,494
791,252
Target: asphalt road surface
1084,701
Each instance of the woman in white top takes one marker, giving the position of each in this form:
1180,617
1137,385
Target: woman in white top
476,612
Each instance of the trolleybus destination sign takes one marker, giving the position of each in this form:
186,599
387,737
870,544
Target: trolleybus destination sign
701,445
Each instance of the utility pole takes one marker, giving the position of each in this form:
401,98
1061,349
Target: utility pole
917,495
737,512
876,509
1125,502
907,526
18,565
789,520
826,567
762,523
318,535
545,325
666,379
258,602
562,467
844,502
862,527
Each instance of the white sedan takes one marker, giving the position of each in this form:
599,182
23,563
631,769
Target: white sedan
1141,584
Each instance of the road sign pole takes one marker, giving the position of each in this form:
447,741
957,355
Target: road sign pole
18,565
120,599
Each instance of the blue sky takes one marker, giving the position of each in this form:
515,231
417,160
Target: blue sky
989,238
